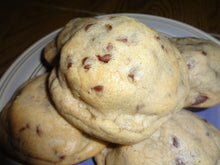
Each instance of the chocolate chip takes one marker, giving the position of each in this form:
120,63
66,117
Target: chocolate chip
175,142
109,47
108,27
84,59
135,73
38,130
122,40
69,65
69,61
204,53
157,37
131,76
26,126
162,46
88,26
98,88
200,99
62,156
87,66
105,58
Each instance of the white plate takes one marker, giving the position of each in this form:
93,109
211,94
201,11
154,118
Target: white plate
29,64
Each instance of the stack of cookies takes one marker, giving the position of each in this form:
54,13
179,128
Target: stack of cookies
117,92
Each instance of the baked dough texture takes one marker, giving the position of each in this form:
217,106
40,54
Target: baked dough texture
52,49
51,53
185,139
70,29
33,132
202,59
119,80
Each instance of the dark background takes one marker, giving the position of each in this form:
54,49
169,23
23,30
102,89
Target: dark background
23,22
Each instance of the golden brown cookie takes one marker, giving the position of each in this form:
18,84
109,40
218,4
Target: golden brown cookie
52,49
185,139
33,132
70,29
119,80
203,62
51,53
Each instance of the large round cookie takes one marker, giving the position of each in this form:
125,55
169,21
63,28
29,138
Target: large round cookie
203,62
52,49
33,132
185,139
125,78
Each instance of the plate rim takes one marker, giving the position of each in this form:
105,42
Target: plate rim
52,34
165,19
